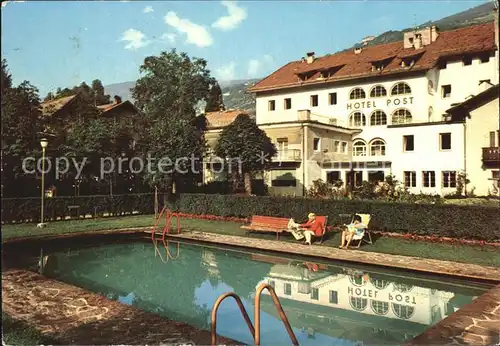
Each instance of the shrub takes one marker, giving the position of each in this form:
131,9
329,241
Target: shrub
28,209
442,220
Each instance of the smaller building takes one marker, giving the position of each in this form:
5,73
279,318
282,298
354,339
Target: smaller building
481,140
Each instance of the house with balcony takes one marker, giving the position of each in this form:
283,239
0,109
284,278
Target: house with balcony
481,117
362,114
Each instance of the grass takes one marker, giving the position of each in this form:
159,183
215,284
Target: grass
475,201
487,255
16,332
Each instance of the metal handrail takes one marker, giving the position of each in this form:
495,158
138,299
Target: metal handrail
157,222
215,308
278,306
165,243
157,251
169,216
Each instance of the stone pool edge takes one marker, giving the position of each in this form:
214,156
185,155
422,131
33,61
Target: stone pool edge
422,265
73,315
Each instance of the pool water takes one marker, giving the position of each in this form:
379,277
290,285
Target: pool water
326,304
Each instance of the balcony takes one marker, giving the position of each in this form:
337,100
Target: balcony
289,155
491,155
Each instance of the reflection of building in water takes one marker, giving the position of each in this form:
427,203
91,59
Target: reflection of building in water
358,293
209,261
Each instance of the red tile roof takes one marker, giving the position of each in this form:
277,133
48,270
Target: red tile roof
53,106
222,118
472,39
111,106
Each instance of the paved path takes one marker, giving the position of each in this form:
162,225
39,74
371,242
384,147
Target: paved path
75,316
475,324
468,271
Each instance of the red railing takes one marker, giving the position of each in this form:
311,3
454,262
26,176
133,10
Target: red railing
168,220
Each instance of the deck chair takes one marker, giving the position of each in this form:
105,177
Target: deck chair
365,219
325,222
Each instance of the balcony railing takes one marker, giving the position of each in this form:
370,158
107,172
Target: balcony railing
491,154
288,155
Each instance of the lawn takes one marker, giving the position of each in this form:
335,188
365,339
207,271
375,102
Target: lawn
16,332
487,255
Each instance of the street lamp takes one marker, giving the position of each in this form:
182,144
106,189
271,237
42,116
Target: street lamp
43,144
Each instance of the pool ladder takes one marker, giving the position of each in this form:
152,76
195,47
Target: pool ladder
167,250
254,331
168,220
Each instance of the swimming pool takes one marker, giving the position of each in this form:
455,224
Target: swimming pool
325,303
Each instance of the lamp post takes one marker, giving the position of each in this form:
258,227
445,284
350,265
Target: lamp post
43,144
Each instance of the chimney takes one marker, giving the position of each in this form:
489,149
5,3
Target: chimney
310,57
357,50
417,42
434,33
118,100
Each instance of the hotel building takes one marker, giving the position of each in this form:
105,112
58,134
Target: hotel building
424,110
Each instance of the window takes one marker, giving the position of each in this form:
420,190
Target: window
334,299
403,288
445,141
378,118
272,105
446,91
358,304
467,61
288,289
375,176
336,146
430,87
485,58
359,148
344,147
379,307
378,91
429,178
408,143
410,179
332,177
401,116
378,283
403,311
355,178
377,148
316,144
272,283
492,139
357,119
282,178
282,147
357,93
401,89
315,294
314,100
449,179
332,98
288,103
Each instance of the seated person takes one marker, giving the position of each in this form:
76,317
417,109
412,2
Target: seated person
308,229
354,228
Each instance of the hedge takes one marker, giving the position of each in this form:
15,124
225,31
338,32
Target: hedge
443,220
28,209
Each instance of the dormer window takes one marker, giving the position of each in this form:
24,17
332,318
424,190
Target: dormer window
379,65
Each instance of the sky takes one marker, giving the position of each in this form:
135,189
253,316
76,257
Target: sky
63,43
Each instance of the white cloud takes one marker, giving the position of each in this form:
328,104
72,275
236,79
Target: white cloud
148,9
227,72
135,38
196,34
256,66
169,37
233,19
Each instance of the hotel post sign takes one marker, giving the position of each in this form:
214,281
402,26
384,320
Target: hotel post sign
372,104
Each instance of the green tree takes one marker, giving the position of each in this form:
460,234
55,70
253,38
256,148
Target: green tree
168,93
21,126
100,98
215,101
246,148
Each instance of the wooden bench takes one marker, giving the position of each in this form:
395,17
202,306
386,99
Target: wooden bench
277,225
267,224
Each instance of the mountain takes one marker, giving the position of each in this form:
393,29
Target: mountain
235,91
476,15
